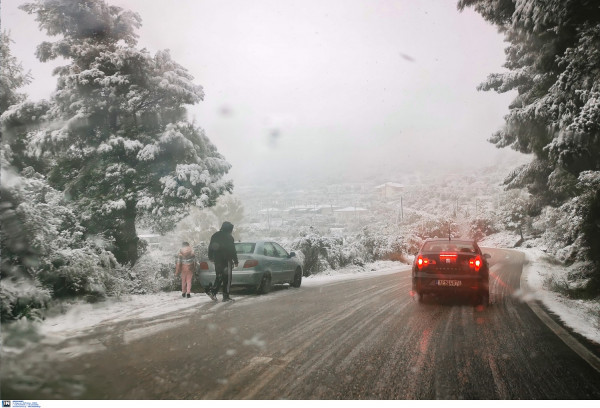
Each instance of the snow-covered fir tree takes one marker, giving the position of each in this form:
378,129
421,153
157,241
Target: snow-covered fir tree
116,129
44,253
553,60
12,75
14,128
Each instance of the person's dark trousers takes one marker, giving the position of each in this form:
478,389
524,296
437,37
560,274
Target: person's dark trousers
223,272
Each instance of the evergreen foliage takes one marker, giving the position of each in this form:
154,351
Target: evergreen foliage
553,62
115,131
79,170
45,252
12,76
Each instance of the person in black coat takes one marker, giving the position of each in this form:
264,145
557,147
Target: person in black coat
221,251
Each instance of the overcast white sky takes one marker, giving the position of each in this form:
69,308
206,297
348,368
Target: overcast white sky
322,89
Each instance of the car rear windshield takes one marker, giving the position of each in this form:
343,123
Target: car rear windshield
244,247
449,247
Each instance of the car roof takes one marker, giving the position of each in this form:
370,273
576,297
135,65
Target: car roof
258,242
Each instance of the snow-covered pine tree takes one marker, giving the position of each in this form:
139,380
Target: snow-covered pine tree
553,61
116,128
12,75
12,78
552,57
43,251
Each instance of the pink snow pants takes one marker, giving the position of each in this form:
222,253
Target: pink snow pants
186,280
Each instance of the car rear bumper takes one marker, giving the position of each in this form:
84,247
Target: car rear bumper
429,283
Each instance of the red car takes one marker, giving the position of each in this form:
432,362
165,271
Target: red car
451,266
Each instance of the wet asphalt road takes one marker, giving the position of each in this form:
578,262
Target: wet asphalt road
358,339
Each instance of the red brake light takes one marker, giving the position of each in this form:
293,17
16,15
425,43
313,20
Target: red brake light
446,255
250,263
204,266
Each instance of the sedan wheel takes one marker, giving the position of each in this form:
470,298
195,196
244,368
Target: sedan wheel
265,285
297,279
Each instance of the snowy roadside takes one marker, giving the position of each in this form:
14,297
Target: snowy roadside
378,268
81,317
582,316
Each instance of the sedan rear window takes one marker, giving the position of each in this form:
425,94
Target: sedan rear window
449,246
244,247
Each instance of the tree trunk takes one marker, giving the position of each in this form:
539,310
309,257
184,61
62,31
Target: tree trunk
126,238
521,233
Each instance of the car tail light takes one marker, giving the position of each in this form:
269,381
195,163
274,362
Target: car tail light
475,263
250,263
422,262
204,266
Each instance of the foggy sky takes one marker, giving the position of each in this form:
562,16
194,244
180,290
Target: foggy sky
322,89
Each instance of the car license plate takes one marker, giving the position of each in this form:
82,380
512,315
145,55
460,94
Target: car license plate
445,282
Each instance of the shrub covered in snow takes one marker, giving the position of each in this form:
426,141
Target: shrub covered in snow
320,252
44,250
153,272
22,298
315,248
571,233
482,226
436,227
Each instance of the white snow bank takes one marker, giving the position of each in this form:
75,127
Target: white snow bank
500,240
83,316
583,316
355,272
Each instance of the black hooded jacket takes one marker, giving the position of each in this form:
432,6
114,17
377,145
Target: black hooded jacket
221,247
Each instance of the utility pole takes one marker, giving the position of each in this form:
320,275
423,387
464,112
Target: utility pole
401,210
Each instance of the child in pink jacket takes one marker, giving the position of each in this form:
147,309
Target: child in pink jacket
186,265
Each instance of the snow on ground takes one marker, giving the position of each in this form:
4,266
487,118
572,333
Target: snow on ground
163,307
583,316
500,240
354,272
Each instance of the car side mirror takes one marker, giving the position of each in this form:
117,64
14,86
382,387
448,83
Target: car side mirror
487,256
292,254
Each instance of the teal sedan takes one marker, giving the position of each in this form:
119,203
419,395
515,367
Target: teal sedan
262,264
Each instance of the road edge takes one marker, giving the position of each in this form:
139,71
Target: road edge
574,344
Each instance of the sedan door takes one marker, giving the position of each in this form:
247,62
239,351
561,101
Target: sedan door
288,265
273,262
